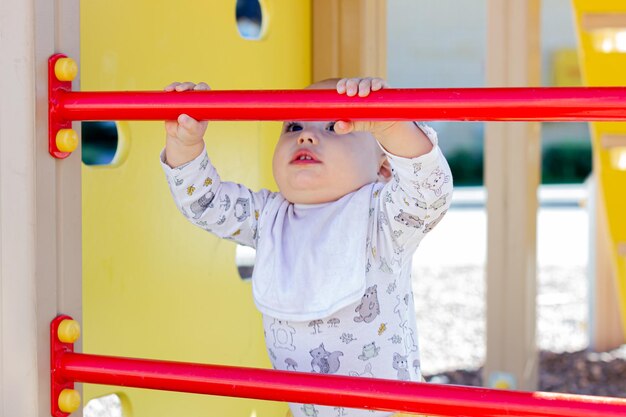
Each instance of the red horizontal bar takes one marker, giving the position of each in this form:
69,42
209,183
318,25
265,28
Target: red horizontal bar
332,390
470,104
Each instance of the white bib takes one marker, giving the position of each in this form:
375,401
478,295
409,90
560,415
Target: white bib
310,259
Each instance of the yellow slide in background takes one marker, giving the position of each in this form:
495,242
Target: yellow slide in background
155,286
601,26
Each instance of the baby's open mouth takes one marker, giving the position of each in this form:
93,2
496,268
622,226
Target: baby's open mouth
304,157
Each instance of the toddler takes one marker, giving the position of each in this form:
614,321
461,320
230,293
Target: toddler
332,276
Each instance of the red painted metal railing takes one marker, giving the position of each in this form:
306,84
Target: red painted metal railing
499,104
377,394
464,104
487,104
331,390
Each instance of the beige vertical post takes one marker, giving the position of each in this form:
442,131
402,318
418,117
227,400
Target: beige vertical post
606,328
40,255
512,168
349,38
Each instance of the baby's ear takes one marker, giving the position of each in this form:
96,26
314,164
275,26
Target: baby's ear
384,169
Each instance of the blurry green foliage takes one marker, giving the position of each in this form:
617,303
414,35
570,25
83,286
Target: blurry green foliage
467,166
561,163
566,163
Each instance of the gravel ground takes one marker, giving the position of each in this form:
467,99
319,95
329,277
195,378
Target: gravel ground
451,321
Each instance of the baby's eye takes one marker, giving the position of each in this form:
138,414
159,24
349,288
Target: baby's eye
293,127
331,126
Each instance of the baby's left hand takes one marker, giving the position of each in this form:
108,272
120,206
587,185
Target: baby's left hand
361,87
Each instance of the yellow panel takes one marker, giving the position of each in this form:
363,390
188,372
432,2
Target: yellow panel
154,285
606,69
566,68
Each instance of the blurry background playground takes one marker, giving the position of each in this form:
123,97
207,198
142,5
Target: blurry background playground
430,47
427,46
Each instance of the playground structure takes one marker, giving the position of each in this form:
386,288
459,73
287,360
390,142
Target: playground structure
63,298
467,104
370,393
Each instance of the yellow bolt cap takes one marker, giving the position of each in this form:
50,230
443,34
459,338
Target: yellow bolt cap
69,400
65,69
67,140
69,331
502,385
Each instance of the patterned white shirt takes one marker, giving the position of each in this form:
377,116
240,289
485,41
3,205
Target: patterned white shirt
361,325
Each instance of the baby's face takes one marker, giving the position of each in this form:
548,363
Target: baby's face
312,164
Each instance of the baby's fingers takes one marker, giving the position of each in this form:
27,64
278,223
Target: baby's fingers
202,87
192,125
172,86
187,85
348,86
188,123
171,127
360,86
365,86
343,127
379,84
341,85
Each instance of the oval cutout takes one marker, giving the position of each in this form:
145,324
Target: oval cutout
100,141
250,19
244,259
106,406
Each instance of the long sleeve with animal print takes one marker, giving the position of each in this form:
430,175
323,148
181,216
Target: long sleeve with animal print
226,209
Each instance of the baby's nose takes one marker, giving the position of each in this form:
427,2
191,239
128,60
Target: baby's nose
306,139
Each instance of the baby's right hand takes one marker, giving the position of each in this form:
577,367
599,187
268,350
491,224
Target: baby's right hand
184,139
186,130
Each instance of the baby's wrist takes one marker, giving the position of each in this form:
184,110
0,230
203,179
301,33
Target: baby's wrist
178,153
383,130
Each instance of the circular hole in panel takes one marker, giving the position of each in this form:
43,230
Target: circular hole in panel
244,258
106,406
100,141
249,15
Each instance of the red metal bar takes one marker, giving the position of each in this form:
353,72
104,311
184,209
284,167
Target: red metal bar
330,389
56,86
57,382
471,104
